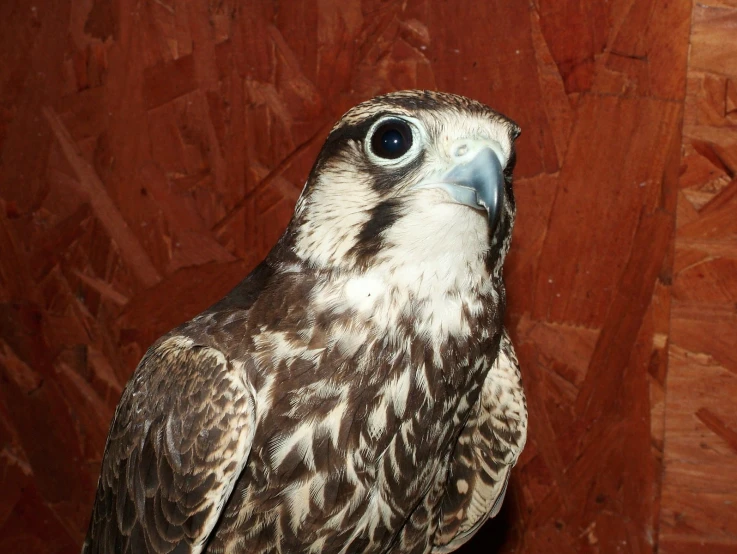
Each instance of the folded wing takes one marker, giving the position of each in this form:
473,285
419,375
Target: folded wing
485,453
179,439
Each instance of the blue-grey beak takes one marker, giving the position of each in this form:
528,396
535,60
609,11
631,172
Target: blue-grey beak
477,183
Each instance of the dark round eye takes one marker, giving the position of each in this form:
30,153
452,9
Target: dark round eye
391,139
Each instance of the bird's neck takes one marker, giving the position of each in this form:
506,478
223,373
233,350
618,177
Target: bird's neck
430,277
433,291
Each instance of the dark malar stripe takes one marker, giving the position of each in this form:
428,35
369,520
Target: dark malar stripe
370,239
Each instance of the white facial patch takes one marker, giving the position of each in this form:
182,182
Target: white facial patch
339,206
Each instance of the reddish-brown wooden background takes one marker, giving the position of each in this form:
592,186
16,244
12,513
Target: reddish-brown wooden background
152,151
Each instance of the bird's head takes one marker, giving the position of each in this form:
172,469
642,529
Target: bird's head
409,177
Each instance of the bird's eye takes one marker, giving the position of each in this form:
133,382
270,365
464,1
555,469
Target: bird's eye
391,139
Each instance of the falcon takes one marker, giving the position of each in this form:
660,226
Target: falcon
357,392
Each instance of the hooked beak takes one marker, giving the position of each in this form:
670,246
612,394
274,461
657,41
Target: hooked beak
476,181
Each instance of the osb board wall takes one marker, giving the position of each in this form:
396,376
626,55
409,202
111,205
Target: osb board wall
152,152
699,488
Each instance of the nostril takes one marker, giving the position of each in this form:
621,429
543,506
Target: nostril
460,150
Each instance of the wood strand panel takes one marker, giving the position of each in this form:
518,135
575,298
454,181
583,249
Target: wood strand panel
151,153
699,489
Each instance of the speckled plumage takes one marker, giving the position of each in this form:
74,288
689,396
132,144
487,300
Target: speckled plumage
357,392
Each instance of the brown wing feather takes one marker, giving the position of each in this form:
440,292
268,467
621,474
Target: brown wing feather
485,453
178,441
